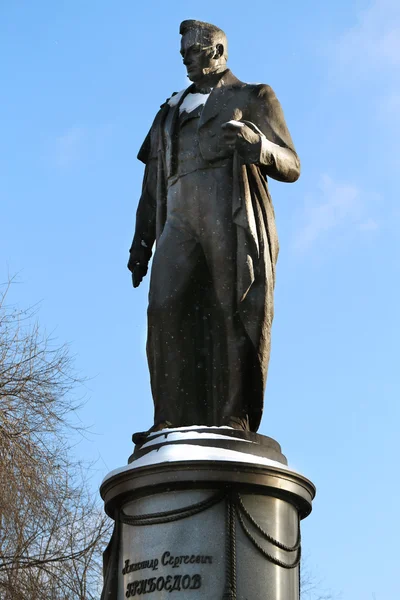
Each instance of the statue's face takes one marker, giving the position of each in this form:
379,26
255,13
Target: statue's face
200,56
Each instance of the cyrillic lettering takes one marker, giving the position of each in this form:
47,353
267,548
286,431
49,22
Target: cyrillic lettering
135,585
186,582
141,587
177,583
124,570
196,582
168,581
160,584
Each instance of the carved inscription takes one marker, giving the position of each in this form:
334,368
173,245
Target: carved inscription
169,583
167,560
144,564
177,561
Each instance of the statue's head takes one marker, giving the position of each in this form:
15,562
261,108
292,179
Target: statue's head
204,49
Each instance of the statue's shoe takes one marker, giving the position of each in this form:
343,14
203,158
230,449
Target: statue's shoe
238,423
140,437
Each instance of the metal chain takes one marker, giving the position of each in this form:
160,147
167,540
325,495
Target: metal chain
171,515
266,555
264,533
230,577
235,507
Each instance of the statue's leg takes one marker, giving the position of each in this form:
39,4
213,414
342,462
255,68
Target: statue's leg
174,260
221,262
219,246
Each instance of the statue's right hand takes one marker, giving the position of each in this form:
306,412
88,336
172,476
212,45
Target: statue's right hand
138,273
138,265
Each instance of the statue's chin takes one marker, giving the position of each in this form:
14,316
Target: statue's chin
206,73
193,77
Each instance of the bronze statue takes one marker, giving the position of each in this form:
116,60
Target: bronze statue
206,205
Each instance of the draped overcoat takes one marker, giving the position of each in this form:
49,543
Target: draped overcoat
252,212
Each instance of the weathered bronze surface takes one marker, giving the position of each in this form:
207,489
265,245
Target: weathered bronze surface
206,205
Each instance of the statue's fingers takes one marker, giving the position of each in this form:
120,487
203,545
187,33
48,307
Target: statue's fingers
137,277
228,129
230,137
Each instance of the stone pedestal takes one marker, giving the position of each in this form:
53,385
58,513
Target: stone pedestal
205,513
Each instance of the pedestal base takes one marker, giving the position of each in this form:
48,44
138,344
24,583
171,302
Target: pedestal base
205,513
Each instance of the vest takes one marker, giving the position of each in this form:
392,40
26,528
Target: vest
183,147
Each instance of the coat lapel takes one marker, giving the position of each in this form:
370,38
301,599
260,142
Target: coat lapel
222,92
172,130
171,123
193,114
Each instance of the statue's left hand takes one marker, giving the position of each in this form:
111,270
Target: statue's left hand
138,272
239,136
138,263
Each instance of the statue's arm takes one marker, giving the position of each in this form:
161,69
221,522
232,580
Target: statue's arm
263,137
145,230
278,156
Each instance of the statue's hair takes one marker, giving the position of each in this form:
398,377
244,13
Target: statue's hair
214,32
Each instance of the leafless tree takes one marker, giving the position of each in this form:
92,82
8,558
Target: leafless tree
51,531
310,587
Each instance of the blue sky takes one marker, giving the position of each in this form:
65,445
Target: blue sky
81,84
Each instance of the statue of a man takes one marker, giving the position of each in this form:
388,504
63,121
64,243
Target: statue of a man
206,205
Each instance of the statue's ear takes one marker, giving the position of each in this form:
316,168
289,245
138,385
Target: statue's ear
219,51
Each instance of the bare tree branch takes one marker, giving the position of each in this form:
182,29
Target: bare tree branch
51,531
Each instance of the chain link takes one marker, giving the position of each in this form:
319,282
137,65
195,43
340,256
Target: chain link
266,555
172,515
230,576
266,535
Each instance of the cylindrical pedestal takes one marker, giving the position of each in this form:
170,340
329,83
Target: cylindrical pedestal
205,514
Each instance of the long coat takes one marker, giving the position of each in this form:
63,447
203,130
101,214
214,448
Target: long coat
252,212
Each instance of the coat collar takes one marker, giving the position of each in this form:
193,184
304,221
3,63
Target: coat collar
224,89
228,79
222,92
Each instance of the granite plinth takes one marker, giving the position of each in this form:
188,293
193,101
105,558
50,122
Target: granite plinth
206,513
